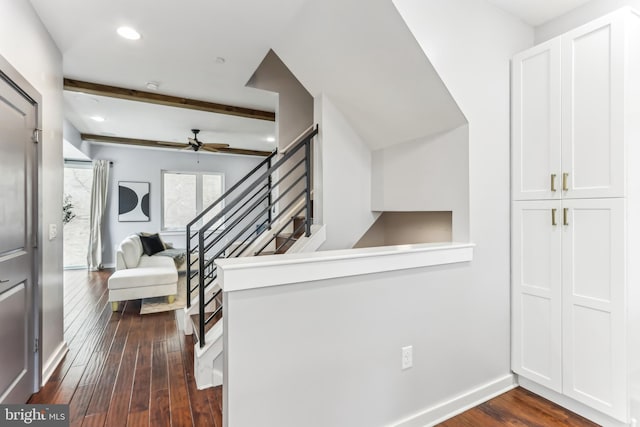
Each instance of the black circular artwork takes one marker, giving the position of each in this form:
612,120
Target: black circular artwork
128,200
144,204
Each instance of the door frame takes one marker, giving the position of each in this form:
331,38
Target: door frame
10,75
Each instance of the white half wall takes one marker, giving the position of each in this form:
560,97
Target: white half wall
581,15
342,184
426,175
333,347
27,46
144,164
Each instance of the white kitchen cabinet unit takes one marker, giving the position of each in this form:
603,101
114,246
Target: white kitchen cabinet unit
576,219
568,109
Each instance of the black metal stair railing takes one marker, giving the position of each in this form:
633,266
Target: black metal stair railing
242,214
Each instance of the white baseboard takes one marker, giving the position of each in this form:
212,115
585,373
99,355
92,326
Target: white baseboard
50,365
445,410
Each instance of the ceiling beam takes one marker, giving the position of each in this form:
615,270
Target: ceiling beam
160,99
167,144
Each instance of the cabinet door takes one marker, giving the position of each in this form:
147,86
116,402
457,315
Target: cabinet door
536,129
536,292
593,270
592,110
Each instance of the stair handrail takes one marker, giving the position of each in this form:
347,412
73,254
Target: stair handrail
310,134
206,269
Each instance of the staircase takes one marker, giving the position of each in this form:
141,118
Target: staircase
244,222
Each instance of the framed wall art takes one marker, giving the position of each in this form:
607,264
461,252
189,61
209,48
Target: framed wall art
133,201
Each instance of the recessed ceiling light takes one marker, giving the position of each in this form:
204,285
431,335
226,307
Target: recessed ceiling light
128,33
97,118
271,139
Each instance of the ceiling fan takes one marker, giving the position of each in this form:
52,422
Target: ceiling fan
195,144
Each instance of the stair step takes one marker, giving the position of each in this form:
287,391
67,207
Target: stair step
284,241
266,253
195,319
298,224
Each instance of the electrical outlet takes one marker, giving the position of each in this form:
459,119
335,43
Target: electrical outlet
407,357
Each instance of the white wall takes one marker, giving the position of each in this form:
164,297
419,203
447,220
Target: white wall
426,175
144,164
361,55
26,45
338,363
470,43
579,16
342,193
295,104
339,360
71,135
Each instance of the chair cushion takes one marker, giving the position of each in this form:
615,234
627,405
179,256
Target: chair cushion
139,277
156,261
131,251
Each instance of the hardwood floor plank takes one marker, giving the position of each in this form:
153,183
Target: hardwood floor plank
106,383
79,404
159,415
159,367
518,408
118,412
138,419
200,408
94,420
180,408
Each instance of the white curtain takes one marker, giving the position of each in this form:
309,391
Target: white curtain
99,190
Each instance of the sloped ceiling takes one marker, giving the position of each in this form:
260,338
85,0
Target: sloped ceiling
365,59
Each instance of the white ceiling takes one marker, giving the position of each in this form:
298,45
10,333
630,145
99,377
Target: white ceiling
537,12
181,41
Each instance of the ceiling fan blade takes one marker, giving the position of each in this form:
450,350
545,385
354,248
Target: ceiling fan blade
207,147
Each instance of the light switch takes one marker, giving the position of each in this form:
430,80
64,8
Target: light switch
53,231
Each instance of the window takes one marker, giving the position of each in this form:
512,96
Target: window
78,177
186,194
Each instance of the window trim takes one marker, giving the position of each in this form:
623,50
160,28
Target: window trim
199,192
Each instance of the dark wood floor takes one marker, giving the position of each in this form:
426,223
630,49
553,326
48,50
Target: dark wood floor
518,408
124,369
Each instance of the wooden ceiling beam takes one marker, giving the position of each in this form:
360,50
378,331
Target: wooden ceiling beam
167,144
160,99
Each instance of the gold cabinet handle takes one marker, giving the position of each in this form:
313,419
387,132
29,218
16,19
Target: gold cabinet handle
553,182
565,182
565,219
553,216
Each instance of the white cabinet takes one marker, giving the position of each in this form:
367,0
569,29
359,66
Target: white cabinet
575,127
593,304
537,292
535,123
568,101
593,74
